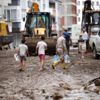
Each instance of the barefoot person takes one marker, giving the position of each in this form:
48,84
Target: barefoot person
22,52
41,47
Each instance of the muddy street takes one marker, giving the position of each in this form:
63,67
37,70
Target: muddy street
49,84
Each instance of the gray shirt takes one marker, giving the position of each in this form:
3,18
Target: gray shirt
61,43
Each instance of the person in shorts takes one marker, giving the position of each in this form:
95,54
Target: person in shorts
41,47
60,50
81,47
22,52
85,37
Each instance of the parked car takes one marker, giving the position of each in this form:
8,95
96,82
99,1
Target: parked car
94,42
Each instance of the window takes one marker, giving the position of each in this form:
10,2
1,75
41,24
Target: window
78,2
44,6
16,25
4,13
83,3
16,2
8,15
92,3
95,18
94,33
78,11
13,14
23,19
97,3
78,19
29,4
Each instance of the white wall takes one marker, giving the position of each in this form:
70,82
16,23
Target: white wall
68,13
58,16
23,7
17,13
3,3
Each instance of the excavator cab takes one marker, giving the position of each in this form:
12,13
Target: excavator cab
38,24
90,17
91,20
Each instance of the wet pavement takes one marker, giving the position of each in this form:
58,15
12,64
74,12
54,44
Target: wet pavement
49,84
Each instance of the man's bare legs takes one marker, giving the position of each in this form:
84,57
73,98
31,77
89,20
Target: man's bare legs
42,60
22,65
41,65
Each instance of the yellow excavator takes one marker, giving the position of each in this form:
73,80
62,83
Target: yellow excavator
5,37
90,19
39,24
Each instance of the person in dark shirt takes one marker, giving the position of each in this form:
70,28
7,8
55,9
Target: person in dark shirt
68,40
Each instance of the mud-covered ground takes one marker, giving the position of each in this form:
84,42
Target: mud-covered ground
49,84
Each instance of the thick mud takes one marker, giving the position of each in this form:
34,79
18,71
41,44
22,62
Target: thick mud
49,84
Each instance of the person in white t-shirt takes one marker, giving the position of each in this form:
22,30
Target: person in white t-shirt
22,52
41,47
85,37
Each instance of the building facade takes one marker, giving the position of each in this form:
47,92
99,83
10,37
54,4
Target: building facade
15,13
69,13
80,5
3,3
63,12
